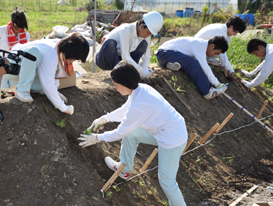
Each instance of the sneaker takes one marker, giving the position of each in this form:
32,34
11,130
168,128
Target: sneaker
113,165
23,96
173,66
214,62
270,188
214,92
246,73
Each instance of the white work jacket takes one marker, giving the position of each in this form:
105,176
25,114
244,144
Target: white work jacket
147,109
265,68
47,68
127,41
209,32
193,47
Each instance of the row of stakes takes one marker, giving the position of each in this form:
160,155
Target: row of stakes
215,130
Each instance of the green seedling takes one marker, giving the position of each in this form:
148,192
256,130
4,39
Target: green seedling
88,132
61,123
116,188
46,109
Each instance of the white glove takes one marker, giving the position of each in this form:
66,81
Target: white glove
246,83
87,140
96,123
69,110
246,73
147,73
63,97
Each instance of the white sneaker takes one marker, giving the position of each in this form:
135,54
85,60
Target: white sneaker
213,92
173,66
246,73
270,188
23,96
113,165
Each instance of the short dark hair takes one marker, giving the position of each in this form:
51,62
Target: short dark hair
220,43
125,74
141,21
19,18
74,47
253,44
238,24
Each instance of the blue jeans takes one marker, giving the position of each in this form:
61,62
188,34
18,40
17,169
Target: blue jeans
168,163
28,75
107,58
188,64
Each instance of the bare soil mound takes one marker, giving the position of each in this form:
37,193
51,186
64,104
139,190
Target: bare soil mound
42,164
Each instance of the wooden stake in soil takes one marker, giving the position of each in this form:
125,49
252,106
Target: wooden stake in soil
262,109
209,133
190,141
149,160
113,178
253,116
244,195
223,123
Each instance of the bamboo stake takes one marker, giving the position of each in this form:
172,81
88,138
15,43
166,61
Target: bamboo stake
262,109
113,178
190,141
253,116
209,133
223,123
244,195
149,160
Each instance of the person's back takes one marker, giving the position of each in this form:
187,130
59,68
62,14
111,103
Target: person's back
212,30
233,26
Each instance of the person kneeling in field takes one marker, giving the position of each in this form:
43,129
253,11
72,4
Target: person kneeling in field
260,49
130,42
189,54
233,26
146,117
54,58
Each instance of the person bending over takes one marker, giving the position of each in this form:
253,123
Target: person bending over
189,54
130,42
54,58
233,26
147,118
260,49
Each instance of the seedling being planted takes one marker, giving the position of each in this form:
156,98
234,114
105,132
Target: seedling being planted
61,123
88,132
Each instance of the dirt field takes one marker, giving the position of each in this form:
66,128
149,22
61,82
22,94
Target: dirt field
42,164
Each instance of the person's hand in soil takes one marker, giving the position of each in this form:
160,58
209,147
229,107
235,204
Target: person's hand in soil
96,123
69,110
88,140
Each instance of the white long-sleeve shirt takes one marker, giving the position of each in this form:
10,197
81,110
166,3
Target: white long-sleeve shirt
265,68
147,109
193,47
47,68
209,32
127,41
4,38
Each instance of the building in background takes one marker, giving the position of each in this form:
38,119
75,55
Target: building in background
169,7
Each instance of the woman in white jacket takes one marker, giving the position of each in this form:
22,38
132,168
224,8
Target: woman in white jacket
147,118
12,33
54,58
